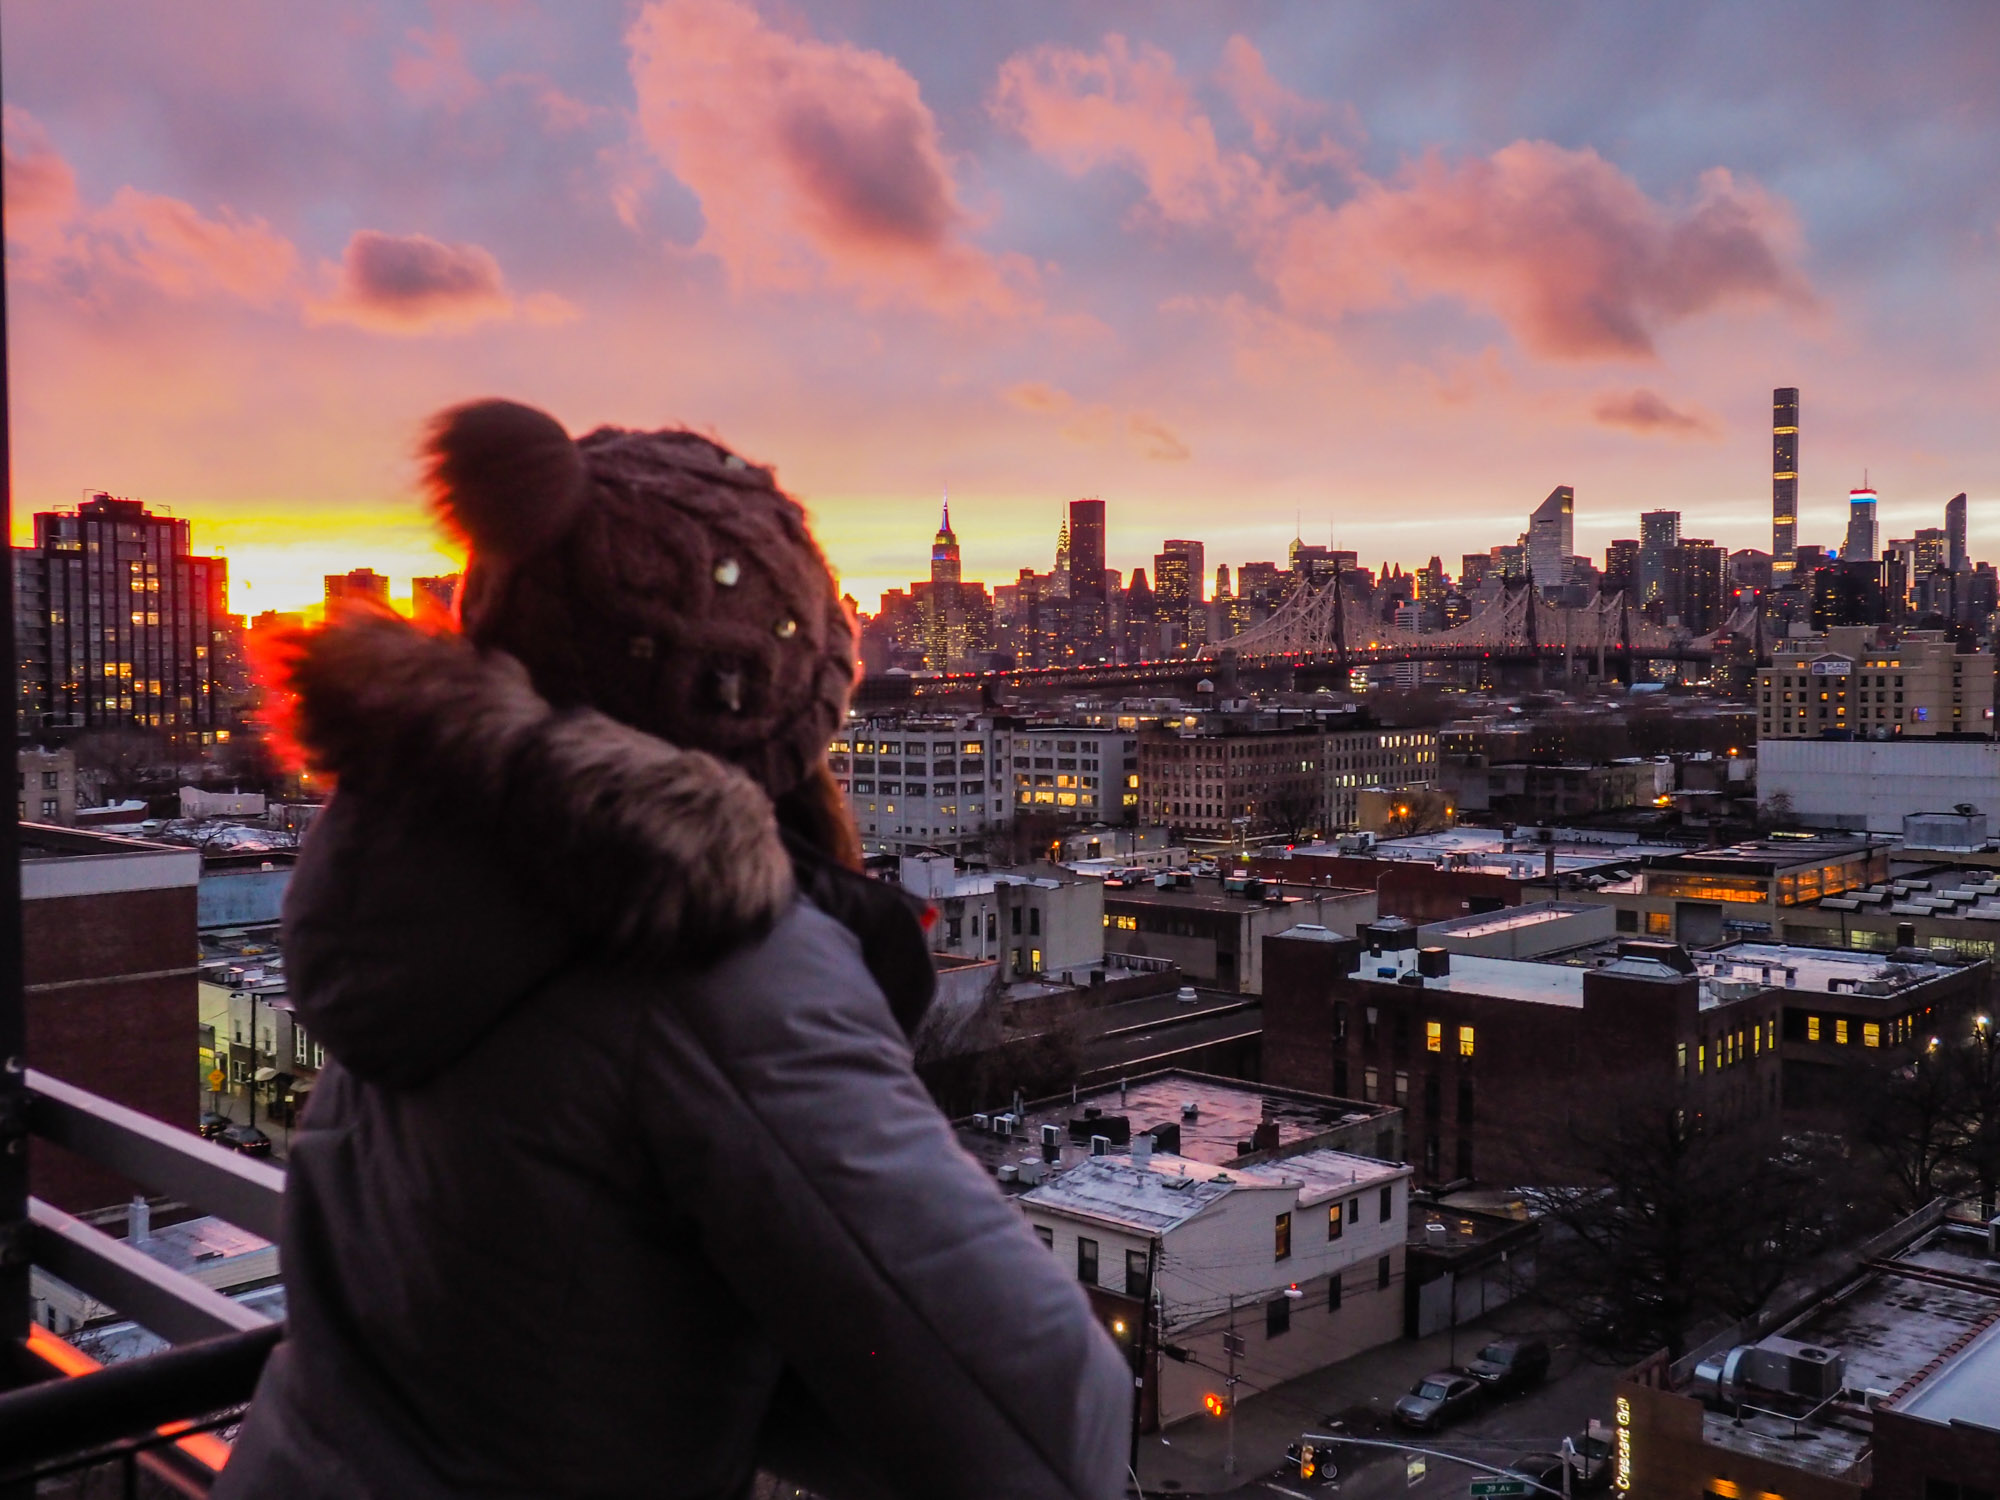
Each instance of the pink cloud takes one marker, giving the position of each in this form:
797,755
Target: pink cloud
1560,245
1126,107
1563,247
411,283
41,188
810,158
183,252
164,243
1648,413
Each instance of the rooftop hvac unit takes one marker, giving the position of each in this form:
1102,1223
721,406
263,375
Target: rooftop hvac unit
1190,1110
1009,1173
982,1122
1030,1172
1051,1135
1003,1124
1433,963
1100,1145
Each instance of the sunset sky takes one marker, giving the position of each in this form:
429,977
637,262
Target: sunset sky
1386,272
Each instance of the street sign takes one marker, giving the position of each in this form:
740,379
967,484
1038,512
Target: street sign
1498,1487
1413,1470
1232,1343
216,1079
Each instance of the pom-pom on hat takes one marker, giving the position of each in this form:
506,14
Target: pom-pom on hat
654,576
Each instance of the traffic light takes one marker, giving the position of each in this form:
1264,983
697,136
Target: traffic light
1308,1465
1214,1405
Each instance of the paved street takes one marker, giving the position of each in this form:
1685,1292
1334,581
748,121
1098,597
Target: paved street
1188,1458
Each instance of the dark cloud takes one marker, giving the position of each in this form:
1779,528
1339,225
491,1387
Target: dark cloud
1648,413
411,283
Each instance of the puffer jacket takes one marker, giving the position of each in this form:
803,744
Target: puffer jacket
618,1181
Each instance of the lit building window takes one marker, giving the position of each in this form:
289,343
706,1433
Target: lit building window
1871,1034
1840,1032
1812,1028
1465,1041
1433,1036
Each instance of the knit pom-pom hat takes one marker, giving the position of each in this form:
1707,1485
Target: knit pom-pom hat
654,576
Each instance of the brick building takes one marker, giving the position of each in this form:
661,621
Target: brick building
1509,1069
108,957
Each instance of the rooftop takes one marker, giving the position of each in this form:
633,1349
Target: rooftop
1824,970
1768,856
1475,974
1512,918
1519,853
1207,893
1161,1191
1920,1332
1224,1119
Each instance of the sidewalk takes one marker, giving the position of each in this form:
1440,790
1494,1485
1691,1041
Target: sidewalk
1188,1457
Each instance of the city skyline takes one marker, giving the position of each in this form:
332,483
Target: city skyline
1221,271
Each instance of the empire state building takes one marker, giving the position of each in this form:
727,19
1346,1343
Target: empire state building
944,551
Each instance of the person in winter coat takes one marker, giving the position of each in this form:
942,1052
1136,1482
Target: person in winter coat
619,1181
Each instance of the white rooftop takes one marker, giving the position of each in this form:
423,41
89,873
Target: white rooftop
1474,974
1166,1190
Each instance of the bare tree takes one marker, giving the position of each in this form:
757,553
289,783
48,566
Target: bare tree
1685,1225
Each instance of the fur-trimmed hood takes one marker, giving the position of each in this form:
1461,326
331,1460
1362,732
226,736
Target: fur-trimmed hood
479,841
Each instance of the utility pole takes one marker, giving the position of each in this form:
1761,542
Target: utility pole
1230,1344
1141,1357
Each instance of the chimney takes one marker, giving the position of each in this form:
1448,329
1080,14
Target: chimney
138,1221
1142,1150
1549,863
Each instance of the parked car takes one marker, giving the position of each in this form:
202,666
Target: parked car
1544,1468
1438,1398
245,1138
1506,1366
211,1125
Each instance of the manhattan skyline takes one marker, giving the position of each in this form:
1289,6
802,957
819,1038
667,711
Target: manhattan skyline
1217,271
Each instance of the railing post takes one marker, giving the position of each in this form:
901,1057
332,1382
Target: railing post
14,1231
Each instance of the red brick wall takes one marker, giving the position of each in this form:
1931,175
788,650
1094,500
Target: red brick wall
92,1021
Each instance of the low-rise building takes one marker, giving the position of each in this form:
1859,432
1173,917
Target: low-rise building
1433,877
1861,682
1041,920
1706,896
47,780
1212,927
1194,1208
1876,1384
1872,785
108,955
1233,775
1511,1070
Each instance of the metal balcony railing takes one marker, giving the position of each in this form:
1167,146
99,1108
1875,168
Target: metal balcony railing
153,1416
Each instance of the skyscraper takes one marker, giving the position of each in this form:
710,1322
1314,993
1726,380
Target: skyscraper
1784,480
944,550
120,626
1090,604
1659,535
1178,570
1860,545
1552,538
1954,527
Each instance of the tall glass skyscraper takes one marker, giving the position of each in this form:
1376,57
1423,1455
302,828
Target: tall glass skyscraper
1860,545
1784,480
1552,538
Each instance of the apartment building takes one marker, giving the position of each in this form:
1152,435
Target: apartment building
1855,683
1086,773
923,783
1222,776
